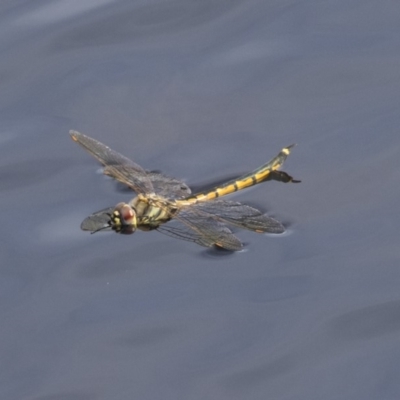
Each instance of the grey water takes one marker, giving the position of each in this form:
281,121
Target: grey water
201,91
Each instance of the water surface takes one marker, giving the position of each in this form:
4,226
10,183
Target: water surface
201,91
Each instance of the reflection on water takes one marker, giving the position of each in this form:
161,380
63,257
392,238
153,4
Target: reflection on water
200,91
367,323
29,173
58,11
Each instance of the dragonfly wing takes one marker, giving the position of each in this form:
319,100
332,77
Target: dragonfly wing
100,220
178,230
153,182
117,165
208,230
127,174
168,187
213,235
240,215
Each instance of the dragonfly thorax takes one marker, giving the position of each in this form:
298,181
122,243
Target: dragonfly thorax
123,218
152,210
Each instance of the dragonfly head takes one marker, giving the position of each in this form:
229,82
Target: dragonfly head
123,219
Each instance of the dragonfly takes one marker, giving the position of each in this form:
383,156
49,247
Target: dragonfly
167,204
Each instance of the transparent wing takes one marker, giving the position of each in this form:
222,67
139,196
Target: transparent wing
202,229
163,185
239,214
117,165
131,174
100,220
168,187
127,174
178,230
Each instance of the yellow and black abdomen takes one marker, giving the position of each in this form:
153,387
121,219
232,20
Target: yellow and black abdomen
261,174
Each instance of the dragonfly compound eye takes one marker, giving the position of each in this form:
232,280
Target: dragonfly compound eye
124,217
